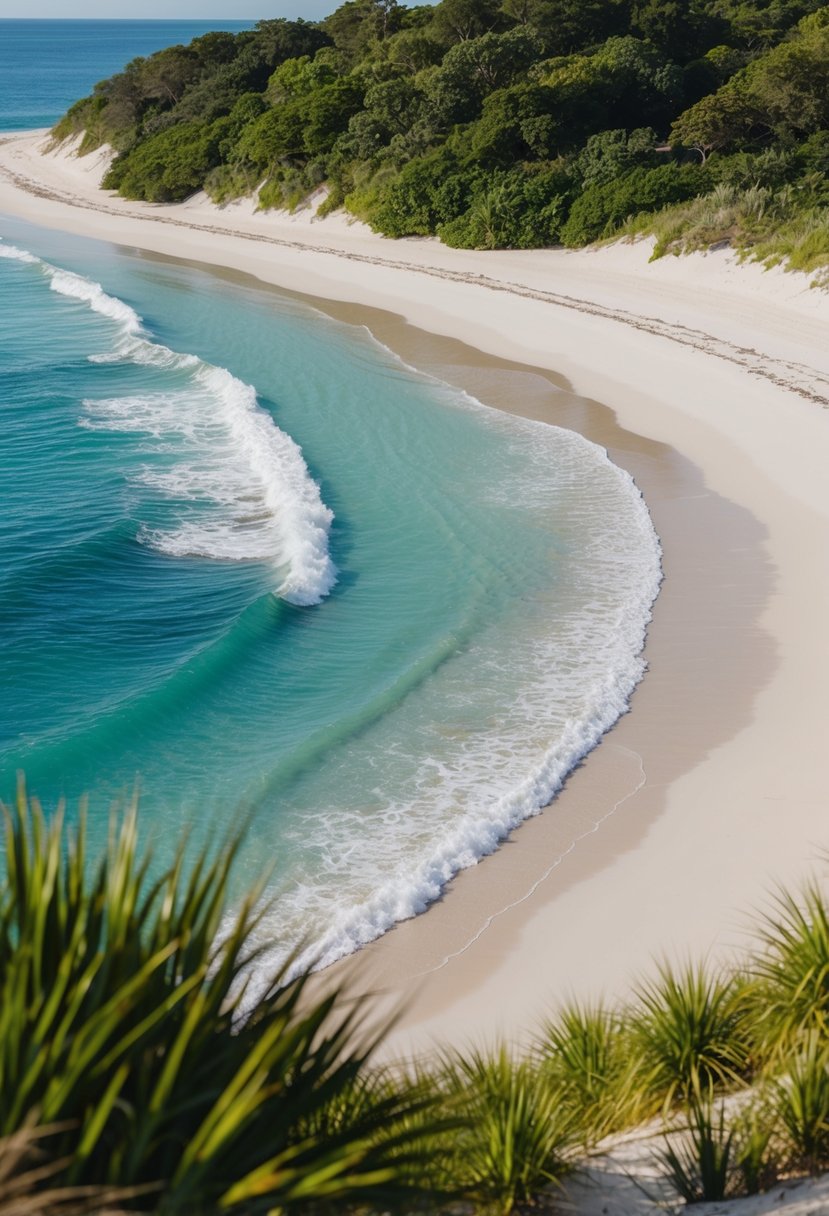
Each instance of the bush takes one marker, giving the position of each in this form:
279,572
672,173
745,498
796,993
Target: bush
429,191
602,208
690,1032
513,1136
171,165
802,1094
699,1161
586,1054
125,1023
792,972
519,210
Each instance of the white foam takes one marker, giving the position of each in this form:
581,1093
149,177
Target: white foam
249,465
67,284
17,255
473,787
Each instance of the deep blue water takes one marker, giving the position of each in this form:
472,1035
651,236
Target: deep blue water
46,65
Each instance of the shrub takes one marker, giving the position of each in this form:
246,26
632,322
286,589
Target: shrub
689,1031
791,996
522,209
169,166
513,1136
699,1161
586,1054
125,1021
802,1100
602,208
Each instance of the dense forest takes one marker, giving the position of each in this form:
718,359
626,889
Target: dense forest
498,123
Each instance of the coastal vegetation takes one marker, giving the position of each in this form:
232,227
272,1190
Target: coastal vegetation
152,1060
498,123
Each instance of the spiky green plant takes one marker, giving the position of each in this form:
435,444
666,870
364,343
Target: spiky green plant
513,1136
585,1051
755,1148
802,1101
698,1161
125,1014
27,1182
689,1028
791,993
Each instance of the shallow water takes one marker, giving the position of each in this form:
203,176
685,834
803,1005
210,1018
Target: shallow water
252,560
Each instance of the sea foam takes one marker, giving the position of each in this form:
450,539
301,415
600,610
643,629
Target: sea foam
265,504
468,793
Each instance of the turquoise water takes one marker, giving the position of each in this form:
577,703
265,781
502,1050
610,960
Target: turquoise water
46,65
251,560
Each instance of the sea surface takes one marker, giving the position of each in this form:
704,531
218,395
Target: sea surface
46,65
255,566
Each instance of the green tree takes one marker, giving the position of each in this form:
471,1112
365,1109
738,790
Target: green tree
682,29
358,23
327,113
460,20
609,154
566,26
473,68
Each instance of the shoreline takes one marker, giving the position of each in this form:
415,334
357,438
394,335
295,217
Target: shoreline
701,832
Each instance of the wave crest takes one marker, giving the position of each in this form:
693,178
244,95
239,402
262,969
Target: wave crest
266,506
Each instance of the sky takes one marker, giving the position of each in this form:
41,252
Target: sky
201,10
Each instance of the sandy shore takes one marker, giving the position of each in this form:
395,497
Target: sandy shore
713,381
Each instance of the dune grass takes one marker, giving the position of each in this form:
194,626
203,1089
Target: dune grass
688,1030
139,1073
775,227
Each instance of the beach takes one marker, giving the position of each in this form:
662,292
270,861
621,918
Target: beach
709,381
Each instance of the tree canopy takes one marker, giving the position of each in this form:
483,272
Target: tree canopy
491,122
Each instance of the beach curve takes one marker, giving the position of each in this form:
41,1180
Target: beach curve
727,365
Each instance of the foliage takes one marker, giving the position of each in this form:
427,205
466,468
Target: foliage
601,208
136,1060
126,1023
492,123
513,1136
792,971
517,210
586,1054
26,1178
699,1162
690,1032
802,1101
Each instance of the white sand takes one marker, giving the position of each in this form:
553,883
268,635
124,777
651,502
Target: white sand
729,365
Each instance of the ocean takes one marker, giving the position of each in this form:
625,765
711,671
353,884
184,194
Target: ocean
256,567
46,65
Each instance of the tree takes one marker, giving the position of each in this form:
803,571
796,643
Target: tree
475,67
515,124
715,122
784,92
682,29
609,154
166,75
565,26
357,23
463,19
327,112
280,39
275,134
